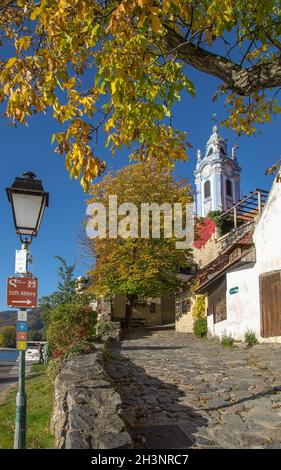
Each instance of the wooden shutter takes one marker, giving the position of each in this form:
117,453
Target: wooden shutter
270,302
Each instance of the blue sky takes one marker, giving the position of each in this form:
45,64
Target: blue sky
29,149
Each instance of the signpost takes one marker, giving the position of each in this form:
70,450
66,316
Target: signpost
22,292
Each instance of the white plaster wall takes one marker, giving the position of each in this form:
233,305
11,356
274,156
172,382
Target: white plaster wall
242,314
243,308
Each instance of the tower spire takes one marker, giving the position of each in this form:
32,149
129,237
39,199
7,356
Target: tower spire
215,120
217,175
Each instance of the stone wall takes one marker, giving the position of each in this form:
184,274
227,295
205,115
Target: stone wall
86,409
184,321
208,252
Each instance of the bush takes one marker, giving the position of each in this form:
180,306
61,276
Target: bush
198,309
200,327
227,341
69,324
250,338
54,368
103,329
8,337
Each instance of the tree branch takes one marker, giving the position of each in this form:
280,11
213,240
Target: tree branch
242,80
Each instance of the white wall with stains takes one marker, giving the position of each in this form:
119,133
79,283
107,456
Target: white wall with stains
243,307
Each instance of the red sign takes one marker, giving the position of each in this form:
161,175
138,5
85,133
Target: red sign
21,335
22,292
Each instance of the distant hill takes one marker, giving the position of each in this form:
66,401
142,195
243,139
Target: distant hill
35,323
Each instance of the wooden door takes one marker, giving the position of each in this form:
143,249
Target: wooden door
270,301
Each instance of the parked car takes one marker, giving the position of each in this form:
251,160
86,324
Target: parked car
32,353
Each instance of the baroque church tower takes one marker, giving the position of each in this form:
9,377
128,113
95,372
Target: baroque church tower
217,177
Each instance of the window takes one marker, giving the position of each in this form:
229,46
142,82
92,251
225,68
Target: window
207,189
185,306
210,152
152,307
140,299
228,188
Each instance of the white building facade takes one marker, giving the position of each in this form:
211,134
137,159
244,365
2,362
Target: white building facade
253,291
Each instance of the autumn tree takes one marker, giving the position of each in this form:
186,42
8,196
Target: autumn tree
128,264
119,65
8,336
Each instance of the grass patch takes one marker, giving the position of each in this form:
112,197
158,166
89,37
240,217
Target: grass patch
250,338
39,409
227,341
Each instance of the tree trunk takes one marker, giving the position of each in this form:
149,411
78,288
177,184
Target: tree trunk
129,310
243,80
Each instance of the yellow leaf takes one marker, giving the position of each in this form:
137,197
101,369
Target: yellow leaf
35,13
23,42
11,62
113,87
156,24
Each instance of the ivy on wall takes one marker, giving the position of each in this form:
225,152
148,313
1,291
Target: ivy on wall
204,229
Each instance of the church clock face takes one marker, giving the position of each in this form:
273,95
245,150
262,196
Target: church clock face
206,171
228,170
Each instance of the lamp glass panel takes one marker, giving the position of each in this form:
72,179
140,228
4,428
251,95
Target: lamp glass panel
27,211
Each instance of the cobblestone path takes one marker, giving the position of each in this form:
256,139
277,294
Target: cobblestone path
179,391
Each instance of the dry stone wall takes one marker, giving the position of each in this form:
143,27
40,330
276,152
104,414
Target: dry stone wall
86,410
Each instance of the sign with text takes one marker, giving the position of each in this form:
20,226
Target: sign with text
22,292
22,336
22,315
21,345
20,265
234,290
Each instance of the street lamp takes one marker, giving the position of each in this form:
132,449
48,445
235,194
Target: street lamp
28,200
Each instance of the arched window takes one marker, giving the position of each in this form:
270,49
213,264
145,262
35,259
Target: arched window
207,189
228,188
210,152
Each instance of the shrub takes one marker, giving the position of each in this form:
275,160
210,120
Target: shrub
68,324
198,309
250,338
83,346
8,337
200,327
103,329
227,341
54,368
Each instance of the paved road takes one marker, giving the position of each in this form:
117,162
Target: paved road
179,391
8,377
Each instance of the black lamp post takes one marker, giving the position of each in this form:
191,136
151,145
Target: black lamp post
28,200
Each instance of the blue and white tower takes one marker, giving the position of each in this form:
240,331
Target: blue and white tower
217,177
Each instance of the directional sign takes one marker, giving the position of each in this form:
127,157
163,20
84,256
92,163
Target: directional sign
22,315
21,325
22,292
21,335
21,345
